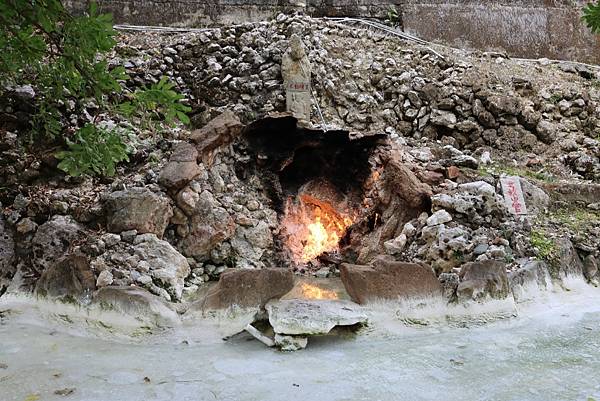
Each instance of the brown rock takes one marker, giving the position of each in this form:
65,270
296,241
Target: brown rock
452,172
402,197
138,209
482,279
389,280
67,280
182,167
209,225
248,288
219,131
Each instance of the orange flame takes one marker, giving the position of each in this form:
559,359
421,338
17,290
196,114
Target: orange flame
313,227
313,292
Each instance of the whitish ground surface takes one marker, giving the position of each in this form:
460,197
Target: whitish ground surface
550,351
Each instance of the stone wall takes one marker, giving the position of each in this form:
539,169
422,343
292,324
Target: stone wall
522,28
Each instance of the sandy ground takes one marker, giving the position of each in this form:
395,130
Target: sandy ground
548,351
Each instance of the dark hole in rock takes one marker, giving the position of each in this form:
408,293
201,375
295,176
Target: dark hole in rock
317,181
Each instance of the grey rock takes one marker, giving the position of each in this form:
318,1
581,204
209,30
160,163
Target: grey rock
105,278
111,239
480,280
136,302
138,209
290,343
311,317
68,280
531,277
590,267
167,266
53,239
439,217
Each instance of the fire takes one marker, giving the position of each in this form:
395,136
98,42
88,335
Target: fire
313,226
313,292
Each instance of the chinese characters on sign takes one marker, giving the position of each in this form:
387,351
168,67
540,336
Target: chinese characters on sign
298,86
513,195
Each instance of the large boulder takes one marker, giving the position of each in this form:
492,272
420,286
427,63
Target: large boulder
53,239
210,223
68,280
480,280
389,280
181,168
536,199
136,302
220,131
568,263
531,277
247,288
312,317
138,209
167,267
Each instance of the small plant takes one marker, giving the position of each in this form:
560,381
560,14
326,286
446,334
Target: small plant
555,98
159,100
94,151
545,247
591,16
393,16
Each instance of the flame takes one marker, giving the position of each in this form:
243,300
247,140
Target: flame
312,227
313,292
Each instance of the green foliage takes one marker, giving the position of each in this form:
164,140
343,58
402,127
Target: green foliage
93,151
158,100
393,16
63,58
43,45
545,247
591,16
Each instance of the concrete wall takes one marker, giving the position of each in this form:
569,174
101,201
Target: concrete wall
522,28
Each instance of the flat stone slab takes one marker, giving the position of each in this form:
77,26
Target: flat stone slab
312,317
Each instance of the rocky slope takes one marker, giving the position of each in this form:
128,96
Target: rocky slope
182,213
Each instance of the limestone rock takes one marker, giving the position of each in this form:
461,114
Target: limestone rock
536,199
439,217
532,275
210,224
53,239
312,317
590,267
136,302
181,168
220,131
138,209
483,279
167,267
443,118
67,280
105,278
247,288
290,343
389,280
569,263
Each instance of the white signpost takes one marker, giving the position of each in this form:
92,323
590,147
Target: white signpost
513,195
